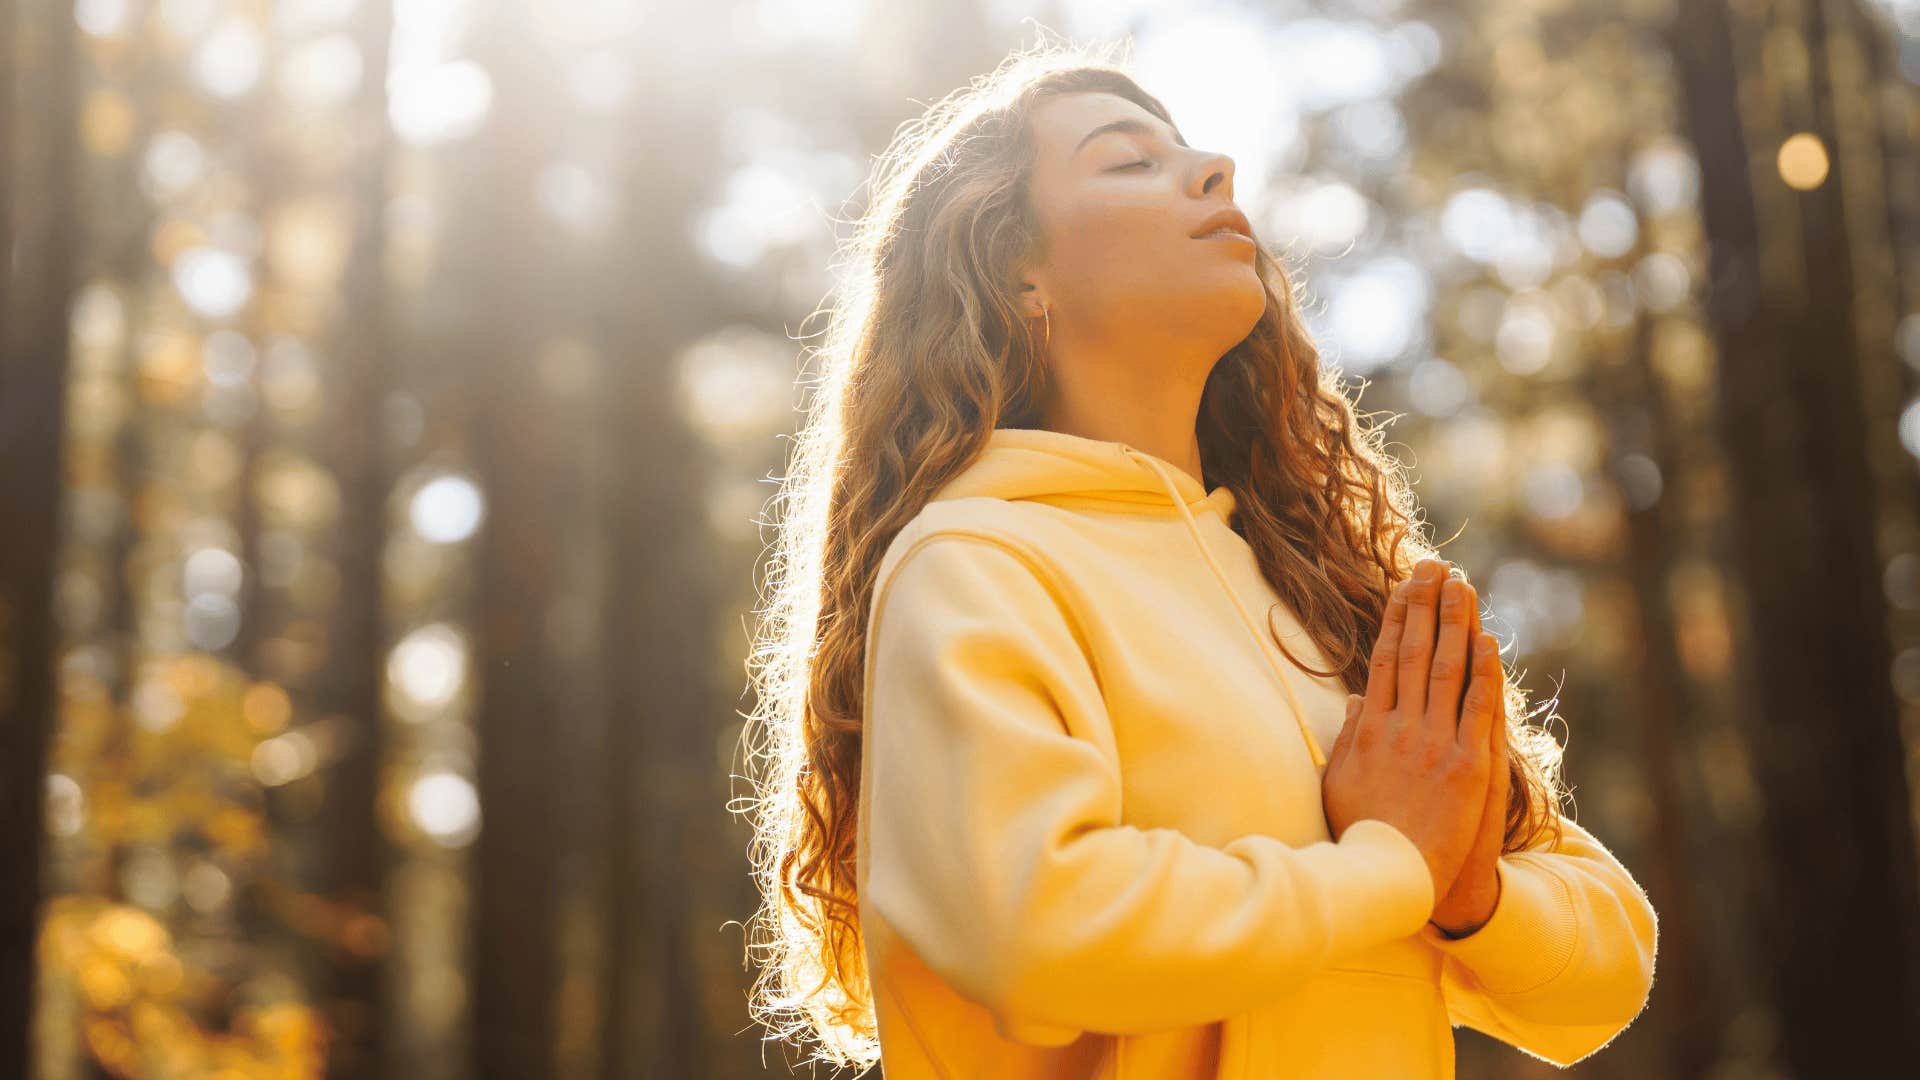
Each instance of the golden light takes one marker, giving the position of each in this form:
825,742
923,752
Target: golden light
161,974
168,367
106,123
130,933
309,240
284,758
266,707
1802,161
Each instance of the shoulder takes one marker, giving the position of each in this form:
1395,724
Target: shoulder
980,565
964,589
983,532
951,598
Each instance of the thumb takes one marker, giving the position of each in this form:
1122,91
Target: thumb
1345,738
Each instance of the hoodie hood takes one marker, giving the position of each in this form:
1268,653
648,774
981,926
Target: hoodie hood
1051,466
1042,465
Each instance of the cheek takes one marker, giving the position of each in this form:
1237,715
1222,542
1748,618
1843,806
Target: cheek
1114,247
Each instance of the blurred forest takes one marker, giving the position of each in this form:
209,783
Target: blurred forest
391,393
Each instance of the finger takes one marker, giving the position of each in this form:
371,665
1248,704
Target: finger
1416,640
1500,707
1384,669
1482,709
1344,741
1473,632
1501,780
1495,811
1500,712
1447,675
1500,789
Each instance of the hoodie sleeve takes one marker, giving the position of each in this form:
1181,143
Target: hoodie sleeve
997,850
1566,961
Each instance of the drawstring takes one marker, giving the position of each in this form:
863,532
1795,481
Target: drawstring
1193,530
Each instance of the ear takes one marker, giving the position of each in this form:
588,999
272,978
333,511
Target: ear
1033,300
1033,282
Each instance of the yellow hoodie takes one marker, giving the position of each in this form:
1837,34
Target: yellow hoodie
1091,841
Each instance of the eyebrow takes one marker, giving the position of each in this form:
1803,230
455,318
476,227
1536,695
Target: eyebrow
1128,124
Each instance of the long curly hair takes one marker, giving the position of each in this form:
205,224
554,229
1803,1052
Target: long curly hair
925,356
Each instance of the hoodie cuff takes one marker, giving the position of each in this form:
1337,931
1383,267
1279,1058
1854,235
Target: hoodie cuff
1530,938
1393,896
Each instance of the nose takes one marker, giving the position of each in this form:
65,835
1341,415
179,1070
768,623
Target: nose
1213,171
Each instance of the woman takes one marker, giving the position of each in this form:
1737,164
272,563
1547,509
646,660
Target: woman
1040,795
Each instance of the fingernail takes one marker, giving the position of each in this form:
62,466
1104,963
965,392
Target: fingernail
1486,643
1427,570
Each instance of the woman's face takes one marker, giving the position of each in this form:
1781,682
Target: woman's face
1120,210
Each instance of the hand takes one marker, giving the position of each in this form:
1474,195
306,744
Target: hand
1471,899
1410,754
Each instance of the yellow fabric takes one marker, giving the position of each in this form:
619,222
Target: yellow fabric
1091,840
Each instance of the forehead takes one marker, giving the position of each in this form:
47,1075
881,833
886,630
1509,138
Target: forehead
1059,123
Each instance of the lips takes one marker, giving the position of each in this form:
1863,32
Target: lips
1230,218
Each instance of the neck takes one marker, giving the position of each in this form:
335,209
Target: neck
1149,402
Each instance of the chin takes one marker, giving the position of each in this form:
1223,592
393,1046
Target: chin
1240,306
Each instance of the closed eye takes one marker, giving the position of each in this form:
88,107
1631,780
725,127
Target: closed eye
1130,165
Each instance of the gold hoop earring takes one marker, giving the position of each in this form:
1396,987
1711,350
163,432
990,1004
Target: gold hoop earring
1048,312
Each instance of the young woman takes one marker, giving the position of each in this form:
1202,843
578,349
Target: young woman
1106,728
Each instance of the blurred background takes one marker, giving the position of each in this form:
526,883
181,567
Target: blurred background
391,392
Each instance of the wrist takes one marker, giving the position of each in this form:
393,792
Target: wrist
1456,933
1467,908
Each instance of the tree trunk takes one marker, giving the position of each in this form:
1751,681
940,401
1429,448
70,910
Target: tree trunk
1839,908
36,285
